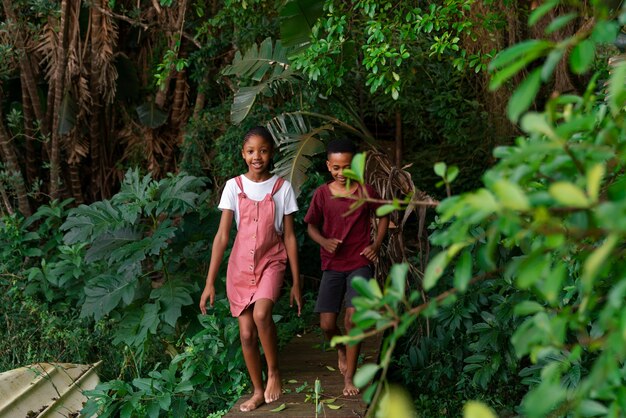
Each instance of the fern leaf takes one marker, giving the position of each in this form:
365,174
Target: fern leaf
297,142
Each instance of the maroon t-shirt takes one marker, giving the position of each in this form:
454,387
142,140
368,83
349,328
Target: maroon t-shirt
328,213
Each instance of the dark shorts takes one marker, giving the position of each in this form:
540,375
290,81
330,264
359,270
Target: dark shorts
336,286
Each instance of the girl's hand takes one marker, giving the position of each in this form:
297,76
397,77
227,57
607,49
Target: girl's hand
207,294
297,297
331,244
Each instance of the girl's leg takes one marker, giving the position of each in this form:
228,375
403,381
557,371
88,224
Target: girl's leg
267,334
250,346
352,357
328,324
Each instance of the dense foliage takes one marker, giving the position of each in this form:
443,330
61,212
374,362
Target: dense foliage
525,286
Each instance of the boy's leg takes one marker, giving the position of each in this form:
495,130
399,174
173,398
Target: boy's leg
352,358
262,315
250,346
352,351
328,305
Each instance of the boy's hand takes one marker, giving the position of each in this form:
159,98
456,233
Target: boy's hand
207,294
371,253
331,244
297,297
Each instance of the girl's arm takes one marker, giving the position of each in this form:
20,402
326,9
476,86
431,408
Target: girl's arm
220,242
291,245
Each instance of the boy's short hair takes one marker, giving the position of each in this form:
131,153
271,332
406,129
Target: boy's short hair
340,145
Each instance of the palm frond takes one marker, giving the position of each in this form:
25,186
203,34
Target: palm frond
297,142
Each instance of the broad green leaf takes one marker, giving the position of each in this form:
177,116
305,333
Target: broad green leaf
375,288
554,57
282,407
386,209
511,195
475,409
516,52
334,407
440,169
524,95
398,277
172,296
297,18
358,166
527,307
365,374
463,271
591,408
596,260
532,269
533,122
435,269
582,56
594,181
104,293
605,32
568,194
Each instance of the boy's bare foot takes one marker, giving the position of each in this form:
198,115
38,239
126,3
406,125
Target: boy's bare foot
349,389
273,388
342,361
253,403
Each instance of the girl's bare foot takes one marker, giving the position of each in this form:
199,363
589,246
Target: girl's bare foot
349,389
342,362
273,388
253,403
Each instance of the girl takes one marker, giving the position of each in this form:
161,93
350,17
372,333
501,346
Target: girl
263,206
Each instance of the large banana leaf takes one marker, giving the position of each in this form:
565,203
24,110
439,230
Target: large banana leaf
297,142
264,64
297,18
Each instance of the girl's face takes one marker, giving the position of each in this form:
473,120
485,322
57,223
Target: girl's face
257,153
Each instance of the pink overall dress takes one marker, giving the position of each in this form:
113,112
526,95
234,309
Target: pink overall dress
257,263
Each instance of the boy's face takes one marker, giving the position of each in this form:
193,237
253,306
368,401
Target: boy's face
336,163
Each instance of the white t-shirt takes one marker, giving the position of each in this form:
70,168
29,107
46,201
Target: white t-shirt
284,198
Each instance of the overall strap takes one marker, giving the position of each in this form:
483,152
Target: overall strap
239,183
277,185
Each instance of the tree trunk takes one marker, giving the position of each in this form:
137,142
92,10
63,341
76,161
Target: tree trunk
59,87
32,171
13,168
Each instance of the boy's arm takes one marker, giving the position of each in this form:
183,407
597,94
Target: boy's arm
329,244
220,242
371,251
291,245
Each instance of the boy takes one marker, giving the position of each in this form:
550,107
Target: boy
345,247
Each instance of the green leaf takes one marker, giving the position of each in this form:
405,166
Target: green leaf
568,194
511,195
334,407
398,277
617,94
365,374
591,408
435,269
560,21
282,407
532,269
554,57
540,11
605,32
582,56
172,296
475,409
358,166
533,122
524,95
105,292
596,260
297,18
594,181
440,169
463,271
527,307
386,209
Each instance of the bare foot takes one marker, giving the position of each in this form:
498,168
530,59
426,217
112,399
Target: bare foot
342,361
273,388
349,389
253,403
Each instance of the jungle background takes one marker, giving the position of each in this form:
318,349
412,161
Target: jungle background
120,120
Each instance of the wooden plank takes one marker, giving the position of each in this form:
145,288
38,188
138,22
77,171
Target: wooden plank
303,360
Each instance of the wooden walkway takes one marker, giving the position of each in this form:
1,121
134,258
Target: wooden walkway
303,361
